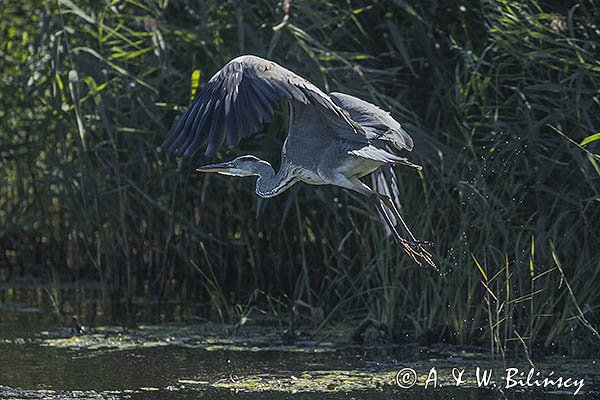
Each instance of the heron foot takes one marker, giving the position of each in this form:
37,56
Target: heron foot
420,243
415,249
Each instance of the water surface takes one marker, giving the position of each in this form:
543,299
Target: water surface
41,358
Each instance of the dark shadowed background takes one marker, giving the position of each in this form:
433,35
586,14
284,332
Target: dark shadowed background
502,100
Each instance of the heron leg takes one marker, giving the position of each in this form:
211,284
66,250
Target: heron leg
406,245
358,186
416,245
390,204
413,247
381,209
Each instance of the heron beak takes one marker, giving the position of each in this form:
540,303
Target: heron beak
220,167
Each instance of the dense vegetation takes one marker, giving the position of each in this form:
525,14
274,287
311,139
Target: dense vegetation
502,100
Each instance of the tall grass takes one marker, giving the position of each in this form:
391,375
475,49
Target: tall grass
498,96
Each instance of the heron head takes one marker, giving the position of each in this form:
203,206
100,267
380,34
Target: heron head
241,166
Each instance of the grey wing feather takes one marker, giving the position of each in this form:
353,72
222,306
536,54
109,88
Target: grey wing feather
377,123
238,100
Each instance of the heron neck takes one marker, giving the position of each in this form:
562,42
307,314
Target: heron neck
270,184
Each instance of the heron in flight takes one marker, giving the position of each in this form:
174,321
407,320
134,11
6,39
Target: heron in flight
334,139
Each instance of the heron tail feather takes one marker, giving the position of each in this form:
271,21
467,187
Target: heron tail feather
385,182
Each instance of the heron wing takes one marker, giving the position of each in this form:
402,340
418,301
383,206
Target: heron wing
378,124
238,100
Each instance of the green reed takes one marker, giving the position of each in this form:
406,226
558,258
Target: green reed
498,97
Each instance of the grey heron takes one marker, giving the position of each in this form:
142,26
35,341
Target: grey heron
334,139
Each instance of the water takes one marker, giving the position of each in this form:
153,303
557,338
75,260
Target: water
39,358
